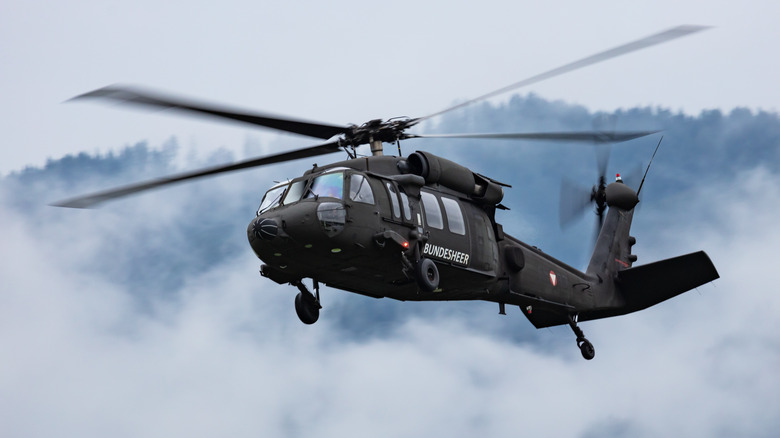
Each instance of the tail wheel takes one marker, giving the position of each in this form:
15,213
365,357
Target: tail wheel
587,350
427,275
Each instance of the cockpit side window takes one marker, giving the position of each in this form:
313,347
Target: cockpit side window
272,199
360,190
329,185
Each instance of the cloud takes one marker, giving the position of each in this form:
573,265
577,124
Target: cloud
230,358
219,351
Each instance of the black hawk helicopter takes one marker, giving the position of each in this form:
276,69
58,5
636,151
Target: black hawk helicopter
423,228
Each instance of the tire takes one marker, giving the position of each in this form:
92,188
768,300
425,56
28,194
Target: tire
427,275
587,350
307,309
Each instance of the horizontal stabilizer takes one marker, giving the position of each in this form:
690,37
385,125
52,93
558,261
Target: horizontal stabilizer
647,285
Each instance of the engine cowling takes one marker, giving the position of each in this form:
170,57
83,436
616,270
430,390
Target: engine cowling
437,170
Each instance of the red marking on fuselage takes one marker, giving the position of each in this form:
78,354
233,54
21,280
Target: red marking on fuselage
625,265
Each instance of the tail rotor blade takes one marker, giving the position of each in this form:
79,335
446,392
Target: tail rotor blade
603,152
574,202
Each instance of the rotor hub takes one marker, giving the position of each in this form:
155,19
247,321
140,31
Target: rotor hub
375,130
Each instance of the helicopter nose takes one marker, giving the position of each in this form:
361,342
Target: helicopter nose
265,229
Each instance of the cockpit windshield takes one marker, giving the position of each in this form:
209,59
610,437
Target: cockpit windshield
272,198
295,193
327,185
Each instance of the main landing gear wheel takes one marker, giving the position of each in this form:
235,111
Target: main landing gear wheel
427,275
307,308
586,348
307,305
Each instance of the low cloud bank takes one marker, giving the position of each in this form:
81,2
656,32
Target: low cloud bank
149,318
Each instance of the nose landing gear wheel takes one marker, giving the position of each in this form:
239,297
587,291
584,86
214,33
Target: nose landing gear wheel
307,308
307,305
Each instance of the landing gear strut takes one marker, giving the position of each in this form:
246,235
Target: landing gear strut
586,348
307,306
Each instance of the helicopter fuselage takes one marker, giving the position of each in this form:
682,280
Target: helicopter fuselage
360,225
423,228
351,225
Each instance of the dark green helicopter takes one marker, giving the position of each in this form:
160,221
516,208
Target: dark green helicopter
423,228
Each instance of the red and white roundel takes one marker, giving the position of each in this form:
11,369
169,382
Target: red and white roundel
553,278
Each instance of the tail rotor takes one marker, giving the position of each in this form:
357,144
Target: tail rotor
576,200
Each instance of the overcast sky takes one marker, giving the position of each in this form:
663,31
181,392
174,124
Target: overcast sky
348,61
79,356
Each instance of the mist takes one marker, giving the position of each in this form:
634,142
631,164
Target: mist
148,317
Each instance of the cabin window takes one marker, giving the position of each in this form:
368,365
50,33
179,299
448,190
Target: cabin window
454,216
271,199
432,211
360,190
394,200
329,185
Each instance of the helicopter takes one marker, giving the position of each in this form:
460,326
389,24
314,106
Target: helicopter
422,227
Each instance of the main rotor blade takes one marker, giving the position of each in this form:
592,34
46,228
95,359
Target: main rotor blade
582,136
139,97
662,37
92,200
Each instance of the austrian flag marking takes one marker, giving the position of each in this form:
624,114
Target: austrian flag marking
553,278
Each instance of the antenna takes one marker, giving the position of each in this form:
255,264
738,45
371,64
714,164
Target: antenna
648,166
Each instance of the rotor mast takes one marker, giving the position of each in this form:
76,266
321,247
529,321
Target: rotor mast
376,147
